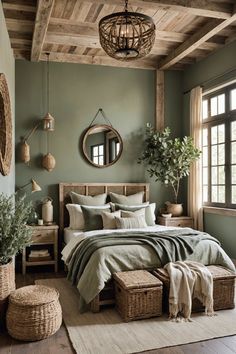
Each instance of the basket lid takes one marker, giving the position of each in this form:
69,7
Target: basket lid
219,272
34,295
136,279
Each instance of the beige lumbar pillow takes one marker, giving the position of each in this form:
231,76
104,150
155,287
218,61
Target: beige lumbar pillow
131,223
108,219
133,214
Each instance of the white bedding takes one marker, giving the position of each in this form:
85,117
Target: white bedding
69,234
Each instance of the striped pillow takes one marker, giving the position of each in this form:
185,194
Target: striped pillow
130,223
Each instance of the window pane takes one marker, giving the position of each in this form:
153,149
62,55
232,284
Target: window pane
233,152
205,194
221,191
221,174
95,160
221,154
233,194
117,148
214,175
221,133
214,155
214,135
101,160
100,149
205,137
214,194
221,104
233,131
233,99
205,175
95,151
205,156
214,106
233,175
204,109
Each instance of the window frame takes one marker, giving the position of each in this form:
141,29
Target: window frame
99,155
225,118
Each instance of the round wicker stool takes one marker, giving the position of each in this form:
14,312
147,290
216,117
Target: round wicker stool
34,313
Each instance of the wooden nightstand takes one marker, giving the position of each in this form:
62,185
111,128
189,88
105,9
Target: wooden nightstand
47,238
181,221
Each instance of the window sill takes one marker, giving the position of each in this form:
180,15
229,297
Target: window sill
219,211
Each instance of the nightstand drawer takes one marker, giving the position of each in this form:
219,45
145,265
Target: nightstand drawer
181,221
43,236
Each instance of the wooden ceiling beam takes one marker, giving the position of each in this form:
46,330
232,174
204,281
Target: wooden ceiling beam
19,25
18,7
44,10
195,41
195,7
99,60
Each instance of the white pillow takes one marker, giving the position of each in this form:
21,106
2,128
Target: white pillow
77,217
149,210
136,198
108,219
131,223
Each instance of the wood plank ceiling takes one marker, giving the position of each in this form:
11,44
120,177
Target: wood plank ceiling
186,30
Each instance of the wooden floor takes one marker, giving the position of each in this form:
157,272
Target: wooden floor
60,344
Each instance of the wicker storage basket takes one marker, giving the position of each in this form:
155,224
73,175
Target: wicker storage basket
7,285
34,313
223,288
138,295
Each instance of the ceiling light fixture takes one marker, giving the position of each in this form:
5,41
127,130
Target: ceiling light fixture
127,35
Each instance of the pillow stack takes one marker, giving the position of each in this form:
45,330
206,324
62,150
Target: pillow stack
123,212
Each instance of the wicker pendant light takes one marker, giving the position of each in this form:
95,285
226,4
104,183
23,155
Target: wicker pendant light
127,35
48,161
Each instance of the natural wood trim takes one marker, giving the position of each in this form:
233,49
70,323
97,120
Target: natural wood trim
206,32
44,10
219,211
99,60
160,100
194,7
18,7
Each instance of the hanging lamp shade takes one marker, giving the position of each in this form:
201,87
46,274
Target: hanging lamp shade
48,162
35,186
127,35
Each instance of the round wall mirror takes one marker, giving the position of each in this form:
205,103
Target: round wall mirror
102,145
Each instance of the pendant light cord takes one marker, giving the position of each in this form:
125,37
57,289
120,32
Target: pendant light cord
48,102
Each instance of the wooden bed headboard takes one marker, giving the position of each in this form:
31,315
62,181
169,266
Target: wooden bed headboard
94,189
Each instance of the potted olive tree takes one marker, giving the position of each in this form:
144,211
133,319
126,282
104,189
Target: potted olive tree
14,236
169,161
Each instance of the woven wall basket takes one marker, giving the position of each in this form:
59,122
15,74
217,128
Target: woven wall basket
7,285
48,162
5,127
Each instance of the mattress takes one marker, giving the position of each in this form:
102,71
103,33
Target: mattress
70,234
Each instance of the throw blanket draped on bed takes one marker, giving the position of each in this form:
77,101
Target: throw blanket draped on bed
169,246
189,280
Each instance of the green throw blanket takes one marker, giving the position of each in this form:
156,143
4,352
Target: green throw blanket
169,246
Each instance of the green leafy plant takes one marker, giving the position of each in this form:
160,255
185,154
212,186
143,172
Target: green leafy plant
14,232
168,159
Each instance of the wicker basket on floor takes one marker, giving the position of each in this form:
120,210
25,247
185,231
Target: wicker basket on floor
34,313
7,285
223,288
138,295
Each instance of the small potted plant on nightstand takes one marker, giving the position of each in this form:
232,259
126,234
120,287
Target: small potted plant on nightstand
169,161
14,236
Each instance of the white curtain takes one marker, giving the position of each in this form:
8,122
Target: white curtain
195,209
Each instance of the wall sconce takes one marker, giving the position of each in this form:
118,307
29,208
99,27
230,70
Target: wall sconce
48,123
35,187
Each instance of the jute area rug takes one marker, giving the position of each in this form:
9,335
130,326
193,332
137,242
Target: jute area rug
105,333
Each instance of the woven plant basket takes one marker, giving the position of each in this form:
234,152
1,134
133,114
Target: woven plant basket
34,313
7,285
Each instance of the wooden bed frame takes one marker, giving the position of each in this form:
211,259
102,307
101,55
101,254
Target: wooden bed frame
106,297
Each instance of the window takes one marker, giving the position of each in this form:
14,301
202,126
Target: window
219,148
97,154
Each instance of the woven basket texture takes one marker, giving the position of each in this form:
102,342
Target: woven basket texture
34,313
141,298
7,280
223,288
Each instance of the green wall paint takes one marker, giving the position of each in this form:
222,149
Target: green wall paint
221,65
127,97
7,67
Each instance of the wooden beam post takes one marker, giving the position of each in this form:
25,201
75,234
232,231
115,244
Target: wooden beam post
43,14
160,88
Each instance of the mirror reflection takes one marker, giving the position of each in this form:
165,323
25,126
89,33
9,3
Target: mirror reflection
102,145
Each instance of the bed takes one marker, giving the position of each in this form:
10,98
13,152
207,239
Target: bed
118,256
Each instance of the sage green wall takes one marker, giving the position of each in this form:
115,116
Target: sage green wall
127,96
7,67
219,65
